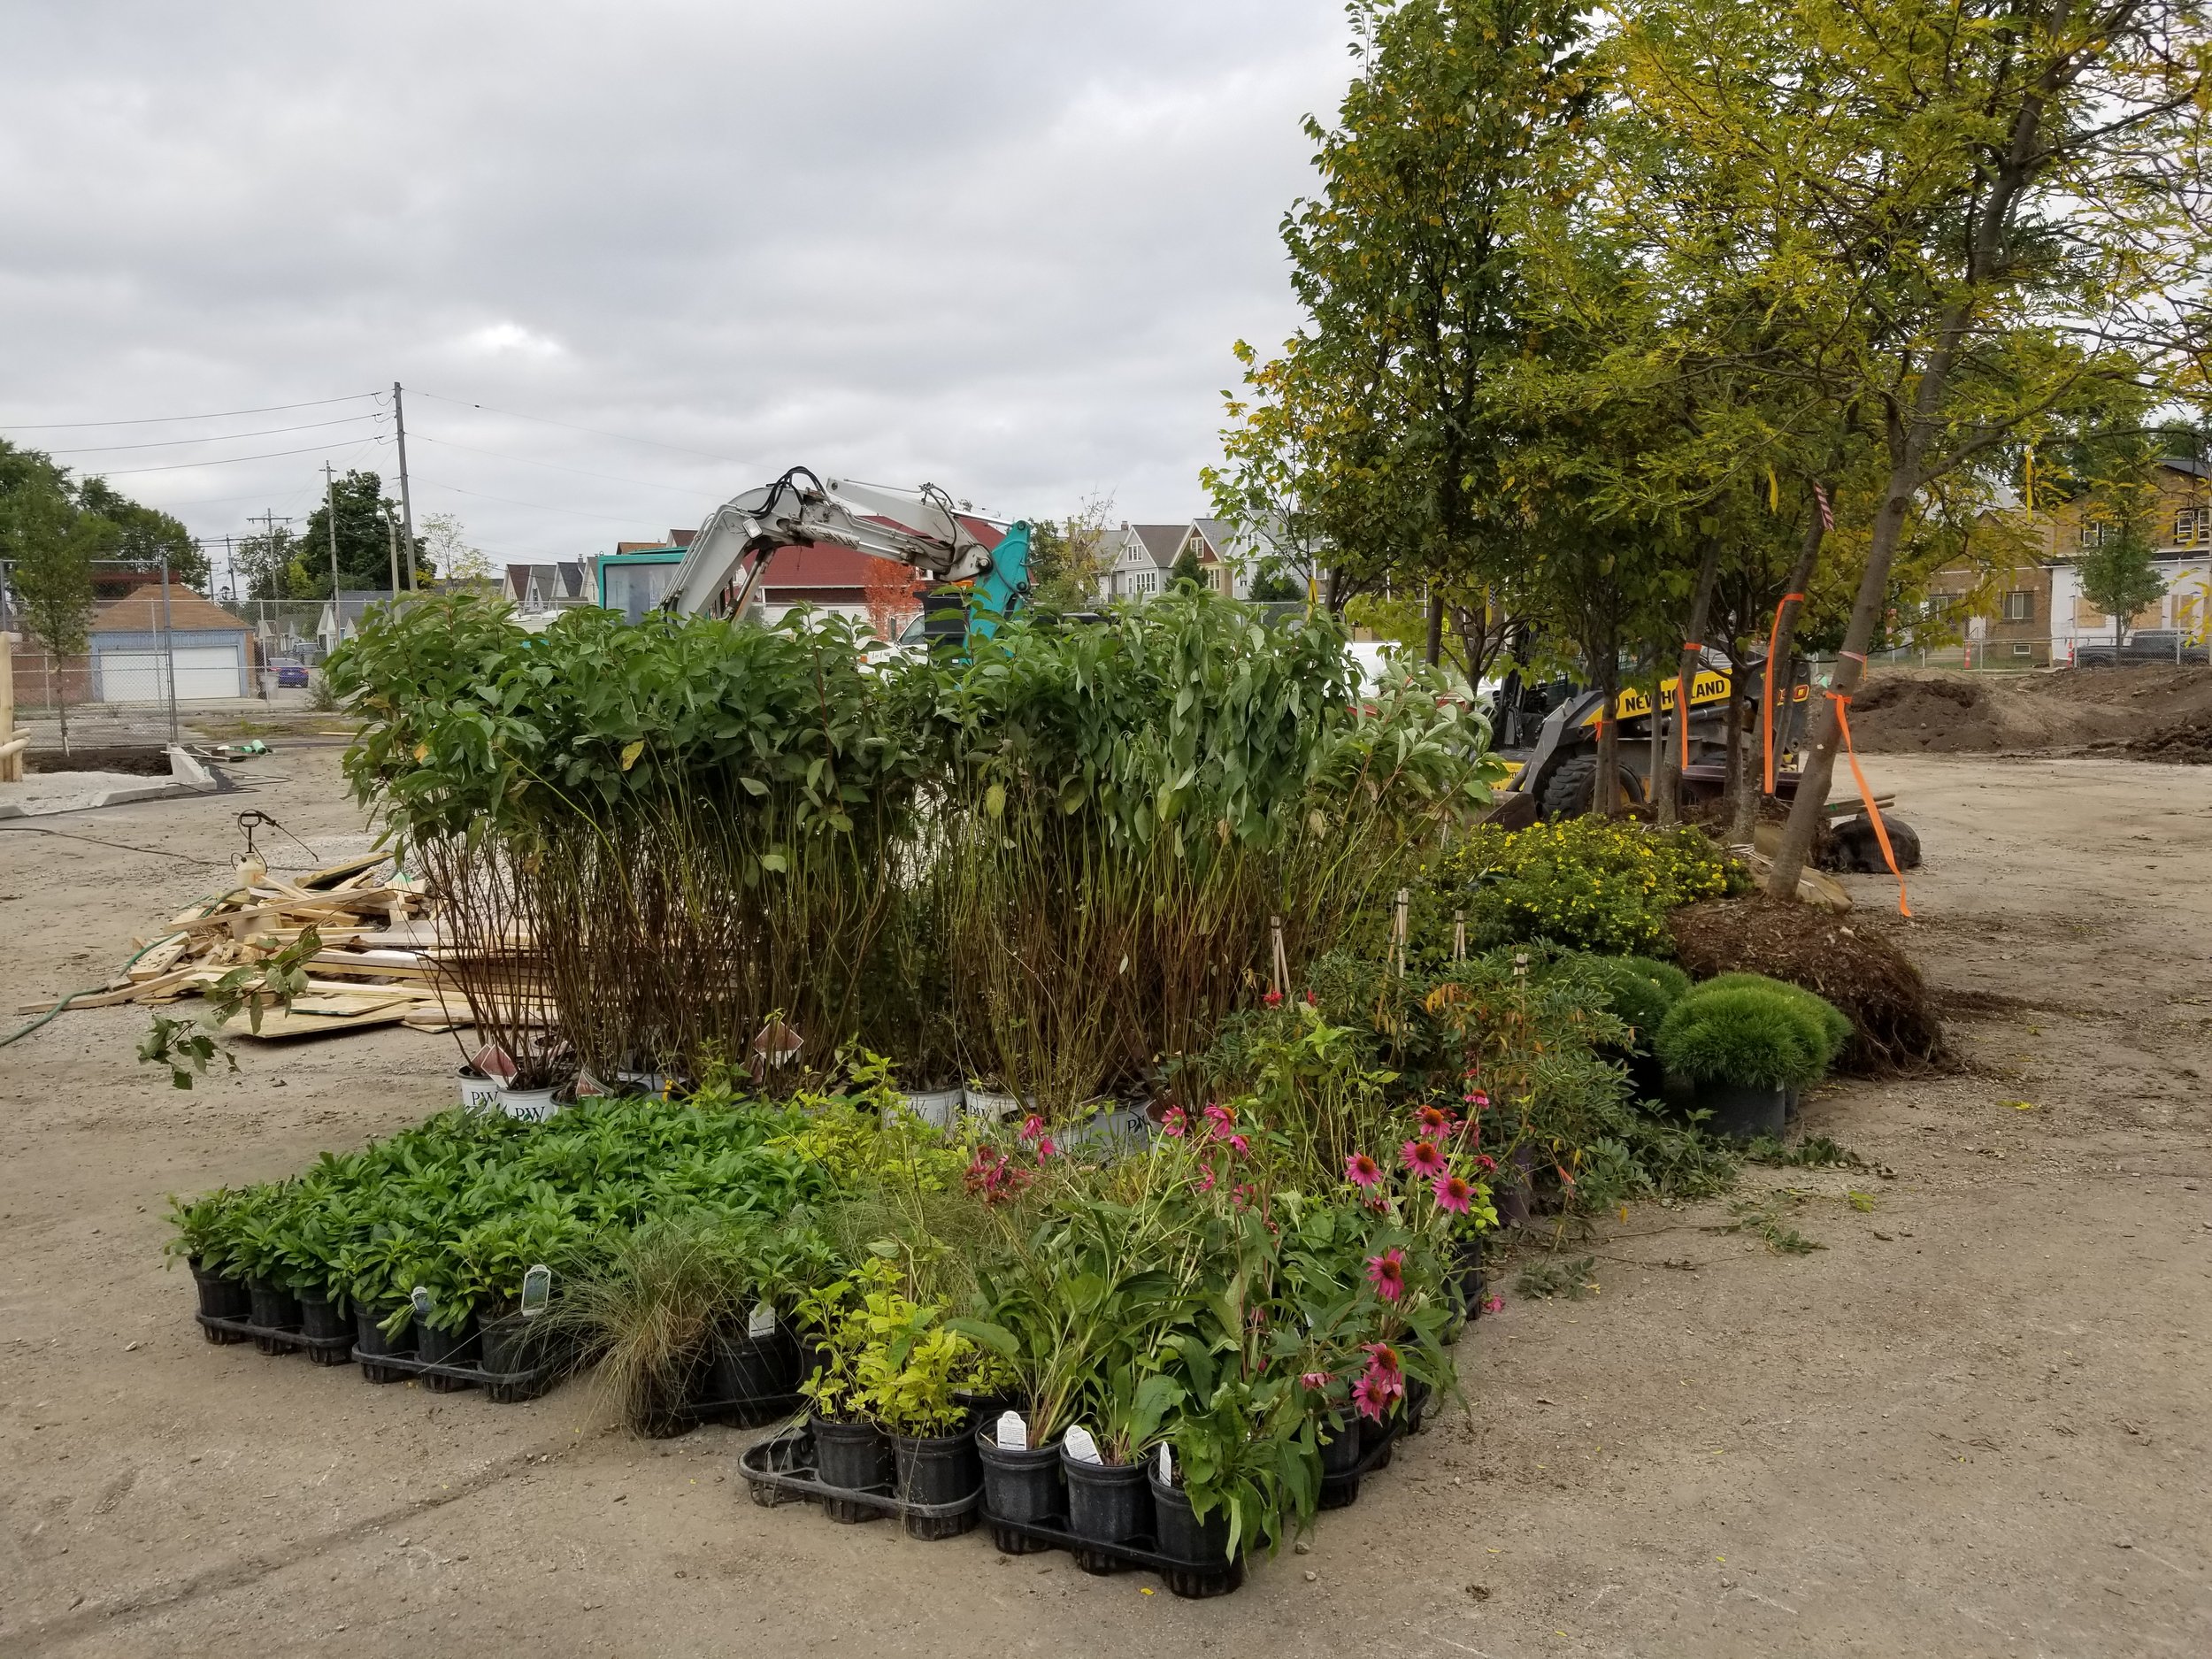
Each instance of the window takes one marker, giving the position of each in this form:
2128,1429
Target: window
2020,605
2192,524
2093,534
2023,650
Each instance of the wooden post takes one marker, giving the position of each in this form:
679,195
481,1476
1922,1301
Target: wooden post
11,767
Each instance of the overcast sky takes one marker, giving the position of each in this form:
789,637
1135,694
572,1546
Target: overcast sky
1002,247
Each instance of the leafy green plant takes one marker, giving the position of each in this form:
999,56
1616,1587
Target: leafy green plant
256,987
1834,1026
650,1317
1541,1280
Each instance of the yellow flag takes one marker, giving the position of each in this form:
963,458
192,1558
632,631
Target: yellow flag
1774,492
2028,490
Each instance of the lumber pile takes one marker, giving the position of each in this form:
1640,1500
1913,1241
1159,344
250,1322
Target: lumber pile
379,965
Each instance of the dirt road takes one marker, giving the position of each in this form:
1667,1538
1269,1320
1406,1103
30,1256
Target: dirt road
1973,1423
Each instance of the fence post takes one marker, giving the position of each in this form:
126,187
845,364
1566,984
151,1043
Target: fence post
168,652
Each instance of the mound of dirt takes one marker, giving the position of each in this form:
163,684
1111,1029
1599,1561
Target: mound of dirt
1915,711
2187,744
1895,1028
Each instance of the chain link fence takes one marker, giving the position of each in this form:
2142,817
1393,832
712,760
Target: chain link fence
2017,653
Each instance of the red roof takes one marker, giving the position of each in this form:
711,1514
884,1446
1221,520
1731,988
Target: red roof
818,567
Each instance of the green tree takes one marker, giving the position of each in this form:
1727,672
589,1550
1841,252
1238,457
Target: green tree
145,536
1376,433
52,544
1068,558
365,516
1979,214
1273,585
2120,577
1187,572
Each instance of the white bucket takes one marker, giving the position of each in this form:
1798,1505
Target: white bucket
936,1107
478,1093
532,1105
991,1108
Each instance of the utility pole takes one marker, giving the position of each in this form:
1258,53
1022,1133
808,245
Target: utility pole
337,606
406,502
391,535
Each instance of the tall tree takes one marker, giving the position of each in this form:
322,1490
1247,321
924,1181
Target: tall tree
1375,431
1993,206
365,516
52,545
146,536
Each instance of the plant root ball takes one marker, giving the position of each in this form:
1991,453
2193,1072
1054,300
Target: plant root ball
1861,972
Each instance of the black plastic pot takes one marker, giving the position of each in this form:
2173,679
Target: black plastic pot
1744,1113
1381,1436
512,1344
272,1305
1024,1486
855,1456
327,1323
1108,1504
755,1378
449,1347
936,1468
1179,1535
1467,1272
1341,1445
1510,1185
984,1410
370,1344
220,1298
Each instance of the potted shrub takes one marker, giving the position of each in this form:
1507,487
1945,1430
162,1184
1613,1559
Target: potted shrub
850,1450
1835,1029
204,1236
649,1318
1742,1050
1109,1500
908,1376
1237,1466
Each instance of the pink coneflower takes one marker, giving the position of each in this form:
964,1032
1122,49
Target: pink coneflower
1497,1304
1033,1126
1239,1143
1045,1149
1363,1171
1434,1120
1205,1181
1376,1203
1476,1098
1452,1193
1368,1399
1485,1162
1174,1120
1317,1380
1381,1357
1272,998
1220,1116
1387,1273
1423,1157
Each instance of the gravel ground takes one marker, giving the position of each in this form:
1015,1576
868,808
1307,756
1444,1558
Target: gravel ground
1973,1423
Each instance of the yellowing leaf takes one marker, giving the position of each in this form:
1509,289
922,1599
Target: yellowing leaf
631,752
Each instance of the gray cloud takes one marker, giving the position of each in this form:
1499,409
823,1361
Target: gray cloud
1002,247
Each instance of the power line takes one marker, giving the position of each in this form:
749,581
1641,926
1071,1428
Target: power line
218,414
595,430
218,437
227,460
686,490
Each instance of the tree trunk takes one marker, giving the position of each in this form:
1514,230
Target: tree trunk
1743,779
1668,781
1605,794
1434,650
1781,675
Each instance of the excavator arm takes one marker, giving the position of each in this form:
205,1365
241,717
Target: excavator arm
722,570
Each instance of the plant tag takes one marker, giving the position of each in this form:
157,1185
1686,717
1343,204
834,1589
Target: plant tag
1082,1448
537,1290
420,1297
1167,1465
1013,1432
761,1322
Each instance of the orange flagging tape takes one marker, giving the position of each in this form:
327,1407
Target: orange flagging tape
1842,699
1766,709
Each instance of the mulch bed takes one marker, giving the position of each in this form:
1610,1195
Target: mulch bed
1856,969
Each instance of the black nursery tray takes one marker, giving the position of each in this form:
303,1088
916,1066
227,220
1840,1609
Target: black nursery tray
1341,1492
501,1387
746,1413
324,1350
1182,1578
781,1470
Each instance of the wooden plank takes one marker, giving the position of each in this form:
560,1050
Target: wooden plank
284,1028
345,871
122,994
160,959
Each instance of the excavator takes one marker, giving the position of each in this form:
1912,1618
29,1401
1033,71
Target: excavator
979,566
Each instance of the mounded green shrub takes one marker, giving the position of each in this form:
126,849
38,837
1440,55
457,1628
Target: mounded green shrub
1746,1037
1639,990
1835,1025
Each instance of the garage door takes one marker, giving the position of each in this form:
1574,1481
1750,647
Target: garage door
202,670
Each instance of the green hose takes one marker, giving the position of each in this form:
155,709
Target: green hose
206,905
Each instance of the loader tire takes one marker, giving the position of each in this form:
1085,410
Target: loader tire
1572,789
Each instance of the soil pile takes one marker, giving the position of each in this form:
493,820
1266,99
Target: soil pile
1894,1024
2187,744
2069,710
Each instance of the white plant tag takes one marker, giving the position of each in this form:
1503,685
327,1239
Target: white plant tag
761,1322
1013,1432
537,1289
1082,1448
1167,1465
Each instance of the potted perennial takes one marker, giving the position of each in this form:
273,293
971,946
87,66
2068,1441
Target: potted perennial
909,1376
1742,1050
851,1451
204,1241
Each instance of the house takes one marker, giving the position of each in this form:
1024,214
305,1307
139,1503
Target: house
884,593
2181,530
341,620
1143,555
2018,601
541,589
209,650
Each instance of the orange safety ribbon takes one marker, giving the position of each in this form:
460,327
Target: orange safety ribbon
1842,699
1690,648
1766,710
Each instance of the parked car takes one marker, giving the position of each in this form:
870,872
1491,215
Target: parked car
2170,646
291,676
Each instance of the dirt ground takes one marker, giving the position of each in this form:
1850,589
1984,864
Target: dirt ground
1975,1421
2155,713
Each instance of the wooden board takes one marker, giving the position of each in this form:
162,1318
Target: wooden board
286,1027
344,871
